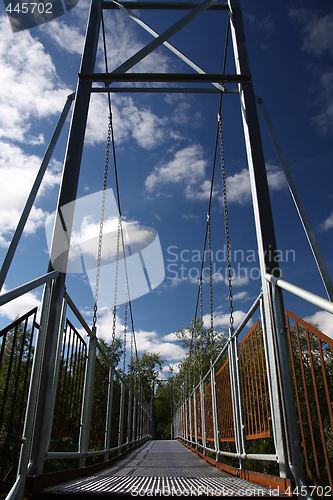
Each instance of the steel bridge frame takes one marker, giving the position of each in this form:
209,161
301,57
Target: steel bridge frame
282,406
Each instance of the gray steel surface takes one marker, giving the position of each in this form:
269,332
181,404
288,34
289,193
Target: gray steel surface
160,467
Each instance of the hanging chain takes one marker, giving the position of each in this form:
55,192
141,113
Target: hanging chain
226,221
210,288
201,339
100,236
116,284
125,325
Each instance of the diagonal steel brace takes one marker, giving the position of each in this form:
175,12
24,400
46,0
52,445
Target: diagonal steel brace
166,44
132,61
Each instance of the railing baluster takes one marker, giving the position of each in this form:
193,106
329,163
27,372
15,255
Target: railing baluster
87,398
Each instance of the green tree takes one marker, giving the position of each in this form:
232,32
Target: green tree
16,360
114,351
146,369
200,348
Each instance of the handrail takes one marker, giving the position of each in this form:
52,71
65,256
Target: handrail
119,374
314,299
241,326
27,287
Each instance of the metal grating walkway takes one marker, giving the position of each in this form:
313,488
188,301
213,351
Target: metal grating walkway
161,468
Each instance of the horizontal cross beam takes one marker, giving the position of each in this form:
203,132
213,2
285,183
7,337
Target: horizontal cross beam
108,78
165,5
164,90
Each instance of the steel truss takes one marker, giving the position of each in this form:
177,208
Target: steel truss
284,422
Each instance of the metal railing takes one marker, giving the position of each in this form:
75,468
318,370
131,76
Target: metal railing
312,365
242,410
16,356
95,410
93,402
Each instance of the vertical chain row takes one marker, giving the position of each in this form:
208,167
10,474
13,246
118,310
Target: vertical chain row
226,222
210,288
116,284
125,326
100,236
201,339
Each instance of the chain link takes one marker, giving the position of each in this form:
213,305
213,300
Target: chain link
116,284
210,288
201,339
226,222
100,236
125,325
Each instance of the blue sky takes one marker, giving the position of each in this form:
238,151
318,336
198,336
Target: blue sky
165,146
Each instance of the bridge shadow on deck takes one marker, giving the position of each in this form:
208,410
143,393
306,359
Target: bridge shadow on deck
156,469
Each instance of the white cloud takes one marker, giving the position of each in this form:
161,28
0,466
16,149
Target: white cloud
201,192
187,167
328,223
241,296
317,31
130,122
324,321
238,185
20,306
223,320
69,38
30,86
17,172
238,188
145,340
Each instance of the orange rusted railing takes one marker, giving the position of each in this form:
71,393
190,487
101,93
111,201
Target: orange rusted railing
312,366
254,383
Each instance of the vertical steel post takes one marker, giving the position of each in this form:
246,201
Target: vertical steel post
67,194
237,401
203,416
267,249
195,418
215,411
134,424
129,412
57,368
29,420
87,397
109,413
190,417
172,411
186,418
121,417
288,400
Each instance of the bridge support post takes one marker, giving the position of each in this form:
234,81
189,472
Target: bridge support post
109,413
195,419
28,429
129,414
190,417
267,249
67,194
121,417
134,425
56,370
203,416
237,400
87,398
215,412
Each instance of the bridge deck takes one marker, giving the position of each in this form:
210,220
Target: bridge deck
160,468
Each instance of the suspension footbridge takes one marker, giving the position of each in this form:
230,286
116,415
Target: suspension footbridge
258,421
